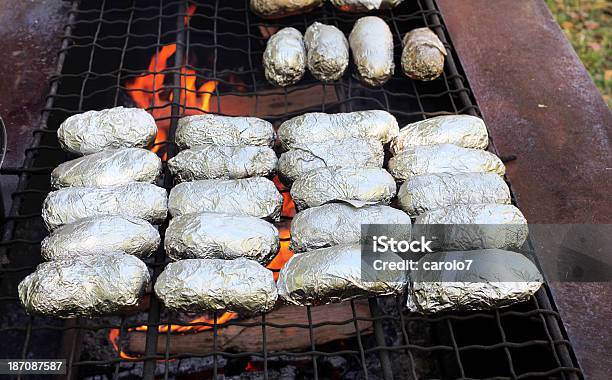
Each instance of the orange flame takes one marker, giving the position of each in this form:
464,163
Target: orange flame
148,92
288,210
113,335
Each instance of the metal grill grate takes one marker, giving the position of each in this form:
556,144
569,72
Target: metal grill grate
109,43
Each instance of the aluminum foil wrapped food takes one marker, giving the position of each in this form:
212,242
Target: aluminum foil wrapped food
316,127
84,286
94,131
423,55
196,285
371,42
339,223
228,162
443,158
473,226
496,278
108,233
223,130
136,199
334,274
364,5
357,186
272,9
284,59
327,51
433,191
256,197
221,236
462,130
349,152
108,168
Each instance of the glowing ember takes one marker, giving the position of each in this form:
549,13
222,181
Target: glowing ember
288,205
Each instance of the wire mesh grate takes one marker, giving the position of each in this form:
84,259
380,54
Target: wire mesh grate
205,55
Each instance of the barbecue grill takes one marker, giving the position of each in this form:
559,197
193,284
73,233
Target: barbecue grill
179,57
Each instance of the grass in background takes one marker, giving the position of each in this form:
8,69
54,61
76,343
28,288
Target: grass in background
587,25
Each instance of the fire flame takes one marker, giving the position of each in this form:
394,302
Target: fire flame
148,92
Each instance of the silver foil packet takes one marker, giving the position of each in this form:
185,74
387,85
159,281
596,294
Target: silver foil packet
316,127
357,186
462,130
371,43
443,158
340,223
272,9
349,152
108,168
94,131
108,233
223,130
473,226
284,59
334,274
221,236
136,199
364,5
423,55
196,285
479,288
432,191
327,51
226,162
85,286
256,197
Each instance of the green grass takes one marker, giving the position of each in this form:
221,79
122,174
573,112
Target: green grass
587,25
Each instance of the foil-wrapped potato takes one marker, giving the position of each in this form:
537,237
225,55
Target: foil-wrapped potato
462,130
423,55
371,43
327,52
108,233
358,6
94,131
221,236
432,191
256,197
316,127
473,226
209,129
272,9
284,59
197,285
443,158
108,168
226,162
349,152
85,286
339,223
334,274
136,199
357,186
496,278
